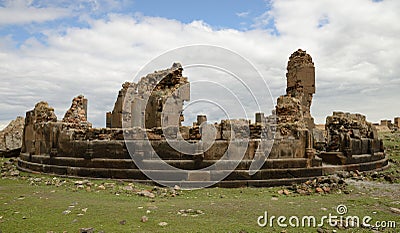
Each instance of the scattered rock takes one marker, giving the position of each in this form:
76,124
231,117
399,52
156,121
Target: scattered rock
123,222
144,219
190,212
322,185
65,212
86,230
284,192
146,193
163,224
395,210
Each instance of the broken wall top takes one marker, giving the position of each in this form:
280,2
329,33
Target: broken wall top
162,82
77,113
354,124
300,73
41,113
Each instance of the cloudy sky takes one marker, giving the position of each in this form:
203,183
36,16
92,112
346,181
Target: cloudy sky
55,50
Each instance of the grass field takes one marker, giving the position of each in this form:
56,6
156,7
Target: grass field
43,203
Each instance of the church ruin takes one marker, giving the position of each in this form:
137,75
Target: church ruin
299,152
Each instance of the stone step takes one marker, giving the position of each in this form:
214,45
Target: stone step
181,164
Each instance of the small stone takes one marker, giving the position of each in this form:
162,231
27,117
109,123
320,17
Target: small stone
286,192
123,222
326,189
274,199
319,190
128,188
199,212
146,193
101,187
65,212
14,173
163,224
395,210
144,219
86,230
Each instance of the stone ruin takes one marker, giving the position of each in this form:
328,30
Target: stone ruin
154,107
387,125
11,138
147,99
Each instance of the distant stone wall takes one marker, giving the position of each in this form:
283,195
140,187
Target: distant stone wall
11,137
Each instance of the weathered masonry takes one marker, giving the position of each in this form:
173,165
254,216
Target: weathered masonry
300,151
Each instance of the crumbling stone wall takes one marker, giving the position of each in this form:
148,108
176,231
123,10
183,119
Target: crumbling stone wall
147,100
397,122
351,134
35,137
301,82
76,115
114,118
11,137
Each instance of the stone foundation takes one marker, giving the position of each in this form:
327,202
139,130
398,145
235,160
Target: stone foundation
153,109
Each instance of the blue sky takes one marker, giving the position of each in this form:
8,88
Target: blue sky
55,50
236,14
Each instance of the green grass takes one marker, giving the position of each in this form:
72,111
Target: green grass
27,205
39,208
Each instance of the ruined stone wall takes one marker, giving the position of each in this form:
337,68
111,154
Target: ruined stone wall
397,122
386,123
114,118
36,134
77,113
351,134
148,98
11,137
301,82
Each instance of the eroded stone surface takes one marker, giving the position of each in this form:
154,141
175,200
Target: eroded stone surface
11,136
77,113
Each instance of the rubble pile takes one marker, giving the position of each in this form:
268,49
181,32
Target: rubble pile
320,185
11,137
9,168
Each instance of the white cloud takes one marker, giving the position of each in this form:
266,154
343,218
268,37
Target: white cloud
243,14
21,12
356,54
